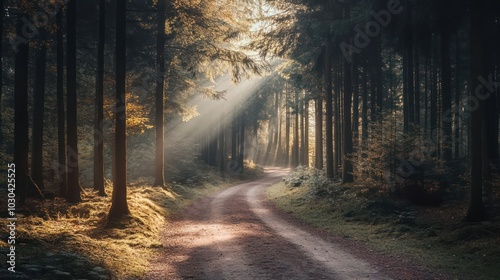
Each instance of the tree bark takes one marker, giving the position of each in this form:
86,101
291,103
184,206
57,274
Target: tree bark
38,115
446,93
364,106
347,168
476,211
159,96
73,192
287,127
355,104
99,105
279,147
456,126
234,139
434,89
378,76
318,133
61,121
2,13
241,156
338,120
305,143
222,145
329,112
296,148
21,141
417,87
276,127
119,206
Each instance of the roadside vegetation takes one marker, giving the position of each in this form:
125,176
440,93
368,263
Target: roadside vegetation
434,236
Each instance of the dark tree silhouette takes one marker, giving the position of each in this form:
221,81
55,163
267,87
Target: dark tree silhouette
476,211
61,121
21,110
327,74
119,206
73,192
2,13
159,96
347,129
99,103
38,114
318,141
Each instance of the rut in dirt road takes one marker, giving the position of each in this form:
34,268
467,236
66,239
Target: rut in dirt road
234,236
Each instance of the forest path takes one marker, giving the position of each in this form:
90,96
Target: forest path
238,234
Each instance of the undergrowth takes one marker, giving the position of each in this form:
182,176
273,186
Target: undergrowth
432,236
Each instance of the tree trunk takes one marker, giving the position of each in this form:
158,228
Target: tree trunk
276,127
364,106
222,145
305,143
410,81
2,12
61,121
296,149
329,112
119,205
159,95
234,140
476,211
279,147
38,115
434,89
355,104
446,93
270,142
212,148
318,133
337,135
456,126
287,128
241,156
99,104
379,75
73,192
21,141
347,167
272,133
373,92
426,92
417,87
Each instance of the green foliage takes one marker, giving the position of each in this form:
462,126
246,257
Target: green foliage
390,160
315,180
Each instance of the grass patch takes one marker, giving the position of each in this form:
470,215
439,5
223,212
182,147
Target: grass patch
428,235
125,248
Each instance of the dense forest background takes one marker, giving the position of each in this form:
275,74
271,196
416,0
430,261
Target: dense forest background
397,95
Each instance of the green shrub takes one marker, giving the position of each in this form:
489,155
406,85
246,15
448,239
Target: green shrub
315,180
398,163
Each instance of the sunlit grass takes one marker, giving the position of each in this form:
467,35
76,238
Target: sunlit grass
433,237
125,247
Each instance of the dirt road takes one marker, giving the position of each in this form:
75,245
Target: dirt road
237,234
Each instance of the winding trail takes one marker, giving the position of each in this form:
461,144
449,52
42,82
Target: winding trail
237,234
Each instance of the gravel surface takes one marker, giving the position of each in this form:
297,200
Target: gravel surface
238,234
